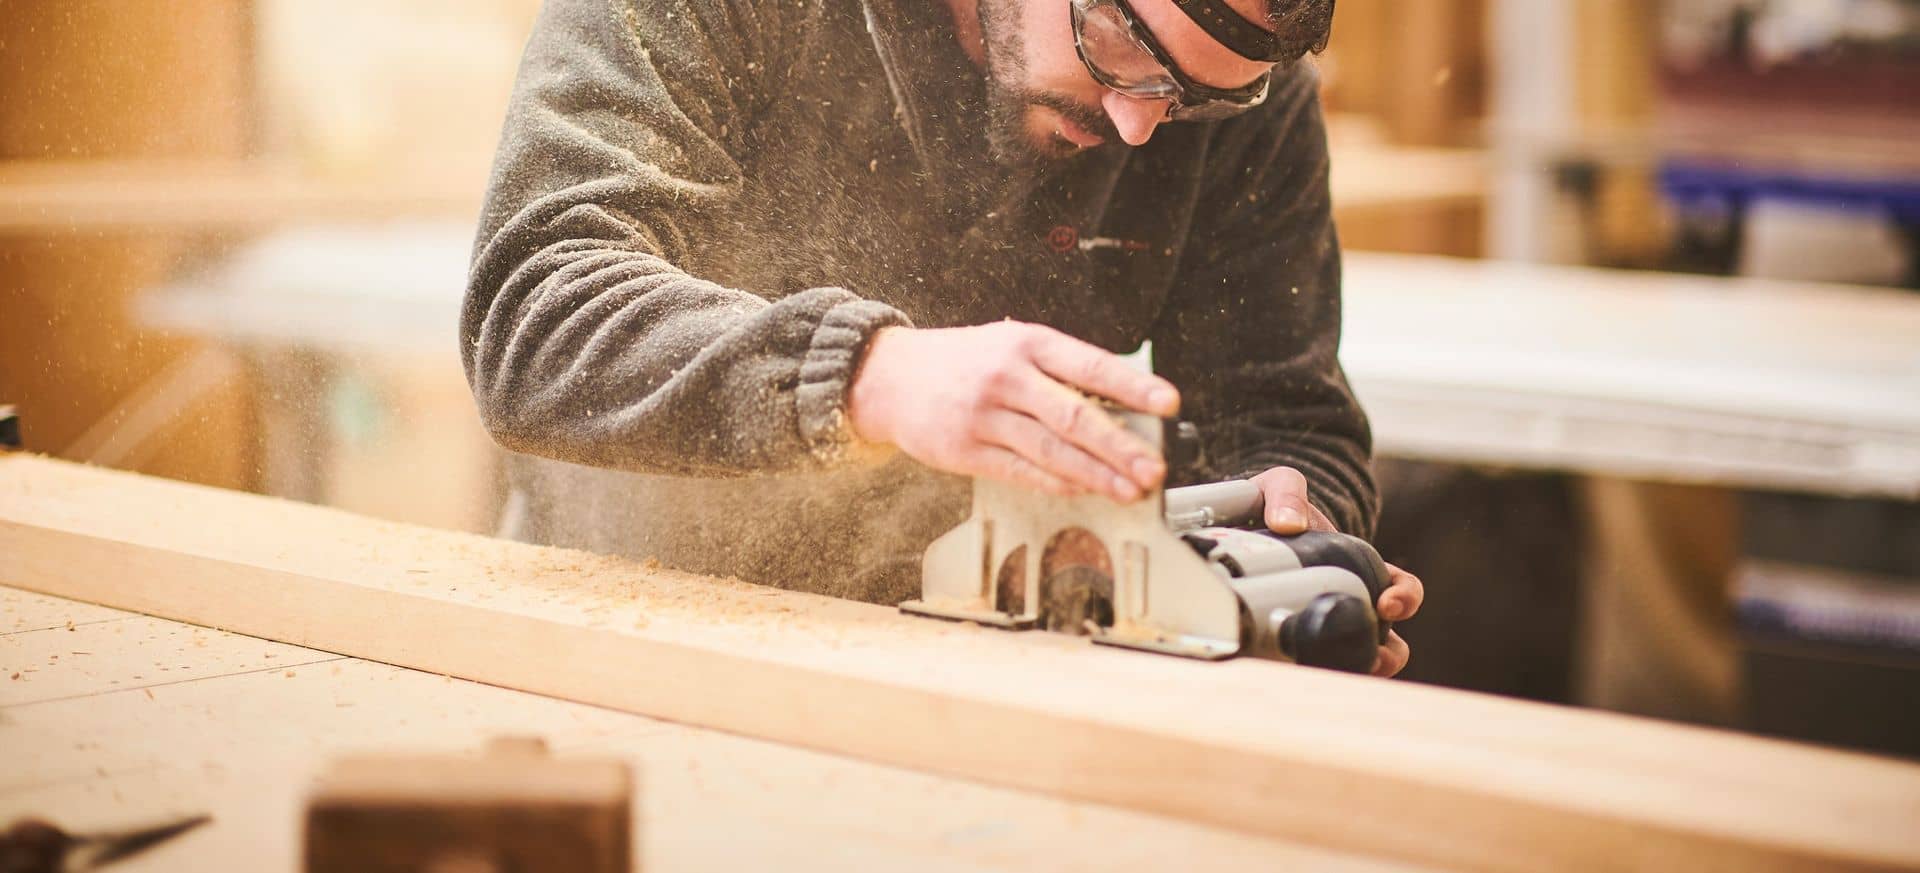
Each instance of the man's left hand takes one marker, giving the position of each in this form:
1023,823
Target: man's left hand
1289,512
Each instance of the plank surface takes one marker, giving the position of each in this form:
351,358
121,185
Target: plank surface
25,611
62,662
245,745
1420,774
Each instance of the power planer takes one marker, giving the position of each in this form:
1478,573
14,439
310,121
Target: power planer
1187,571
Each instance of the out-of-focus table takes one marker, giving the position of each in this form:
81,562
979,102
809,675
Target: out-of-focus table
1745,383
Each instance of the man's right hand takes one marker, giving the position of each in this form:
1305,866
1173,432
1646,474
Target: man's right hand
1006,401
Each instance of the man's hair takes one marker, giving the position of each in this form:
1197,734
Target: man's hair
1303,26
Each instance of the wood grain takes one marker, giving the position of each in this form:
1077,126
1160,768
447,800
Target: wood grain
245,745
1420,774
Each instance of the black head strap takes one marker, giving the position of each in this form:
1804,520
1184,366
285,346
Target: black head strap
1245,38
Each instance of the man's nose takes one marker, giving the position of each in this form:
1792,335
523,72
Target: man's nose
1133,117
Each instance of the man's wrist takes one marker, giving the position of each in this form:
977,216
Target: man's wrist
866,412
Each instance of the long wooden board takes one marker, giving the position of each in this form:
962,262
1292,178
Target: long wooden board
132,741
1400,771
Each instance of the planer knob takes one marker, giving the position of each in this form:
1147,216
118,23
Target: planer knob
1335,631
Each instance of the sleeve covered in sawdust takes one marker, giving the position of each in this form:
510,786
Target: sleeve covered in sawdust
583,340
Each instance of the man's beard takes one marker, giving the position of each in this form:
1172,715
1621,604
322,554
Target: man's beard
1008,98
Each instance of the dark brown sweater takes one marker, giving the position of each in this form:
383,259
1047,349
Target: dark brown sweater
703,208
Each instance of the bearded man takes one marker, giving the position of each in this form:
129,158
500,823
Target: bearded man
759,284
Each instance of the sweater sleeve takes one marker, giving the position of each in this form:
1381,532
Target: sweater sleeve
1253,335
582,339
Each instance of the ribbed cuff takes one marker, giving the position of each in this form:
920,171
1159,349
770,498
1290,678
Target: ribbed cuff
827,372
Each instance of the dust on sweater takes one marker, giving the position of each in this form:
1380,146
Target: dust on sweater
702,209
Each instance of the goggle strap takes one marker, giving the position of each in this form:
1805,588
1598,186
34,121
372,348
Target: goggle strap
1245,38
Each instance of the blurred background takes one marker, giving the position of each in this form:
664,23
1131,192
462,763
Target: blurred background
1629,297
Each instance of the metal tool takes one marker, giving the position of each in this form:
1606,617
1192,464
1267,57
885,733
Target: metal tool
36,846
1188,571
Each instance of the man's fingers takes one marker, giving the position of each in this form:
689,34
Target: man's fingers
1052,453
1095,370
1287,509
1077,420
1403,596
1392,657
994,462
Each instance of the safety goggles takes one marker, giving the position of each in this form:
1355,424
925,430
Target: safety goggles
1122,54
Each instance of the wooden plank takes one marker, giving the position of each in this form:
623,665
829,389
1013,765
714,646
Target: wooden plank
246,746
1421,774
90,197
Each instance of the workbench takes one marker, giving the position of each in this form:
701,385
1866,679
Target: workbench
884,741
110,718
1743,383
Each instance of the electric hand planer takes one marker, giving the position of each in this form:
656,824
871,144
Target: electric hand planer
1188,571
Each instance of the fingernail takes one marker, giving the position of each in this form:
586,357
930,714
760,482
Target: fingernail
1164,401
1288,518
1125,490
1393,610
1147,471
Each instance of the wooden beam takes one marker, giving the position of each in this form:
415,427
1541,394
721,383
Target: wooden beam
95,196
1401,771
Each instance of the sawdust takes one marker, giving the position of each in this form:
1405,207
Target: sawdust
1136,632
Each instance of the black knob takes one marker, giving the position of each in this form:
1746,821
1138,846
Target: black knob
1335,631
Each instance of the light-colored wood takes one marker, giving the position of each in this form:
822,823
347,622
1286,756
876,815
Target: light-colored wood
99,80
63,662
88,197
1367,171
1413,199
1421,774
1414,64
25,611
1435,85
245,746
1616,59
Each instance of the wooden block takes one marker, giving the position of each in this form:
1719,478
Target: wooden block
1424,775
513,808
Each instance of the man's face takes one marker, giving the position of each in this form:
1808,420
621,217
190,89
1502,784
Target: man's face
1046,105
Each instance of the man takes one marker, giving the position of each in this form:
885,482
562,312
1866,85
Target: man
756,280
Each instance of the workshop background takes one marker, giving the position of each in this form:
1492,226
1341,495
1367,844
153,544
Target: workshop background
233,236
